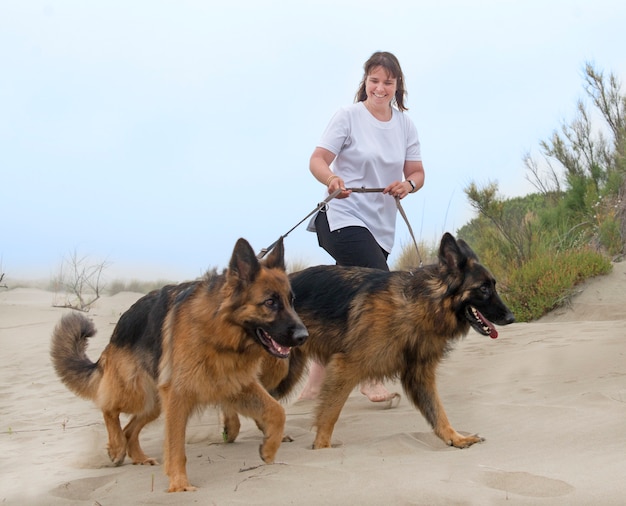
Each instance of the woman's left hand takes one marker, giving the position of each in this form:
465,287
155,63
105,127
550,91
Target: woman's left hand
398,189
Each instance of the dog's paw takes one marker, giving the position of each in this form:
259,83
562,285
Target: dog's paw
187,488
181,484
321,443
148,461
229,435
465,441
117,456
266,456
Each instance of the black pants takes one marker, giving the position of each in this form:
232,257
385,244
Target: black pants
350,245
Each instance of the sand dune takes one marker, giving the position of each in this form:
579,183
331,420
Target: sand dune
549,397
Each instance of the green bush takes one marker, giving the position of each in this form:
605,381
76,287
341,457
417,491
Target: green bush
609,236
546,281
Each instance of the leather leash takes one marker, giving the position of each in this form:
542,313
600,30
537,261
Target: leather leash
330,197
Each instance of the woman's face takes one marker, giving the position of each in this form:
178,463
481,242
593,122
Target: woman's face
380,86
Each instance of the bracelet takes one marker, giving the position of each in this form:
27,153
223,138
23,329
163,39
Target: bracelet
333,176
413,187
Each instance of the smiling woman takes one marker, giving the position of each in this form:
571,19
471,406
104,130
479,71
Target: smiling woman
371,143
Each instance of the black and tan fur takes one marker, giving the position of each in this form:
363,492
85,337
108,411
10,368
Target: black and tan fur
185,346
367,324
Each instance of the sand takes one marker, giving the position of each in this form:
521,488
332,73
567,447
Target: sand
548,396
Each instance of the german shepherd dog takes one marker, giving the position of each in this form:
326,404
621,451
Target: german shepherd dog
185,346
367,324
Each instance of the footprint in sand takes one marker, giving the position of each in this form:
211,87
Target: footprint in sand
526,484
83,488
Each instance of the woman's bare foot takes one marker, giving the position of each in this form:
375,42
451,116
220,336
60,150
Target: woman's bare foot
376,392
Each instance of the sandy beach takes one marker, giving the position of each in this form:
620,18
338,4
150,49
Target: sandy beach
549,397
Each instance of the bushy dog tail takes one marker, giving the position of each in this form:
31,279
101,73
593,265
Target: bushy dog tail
67,350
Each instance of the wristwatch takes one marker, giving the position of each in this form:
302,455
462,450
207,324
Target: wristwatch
413,188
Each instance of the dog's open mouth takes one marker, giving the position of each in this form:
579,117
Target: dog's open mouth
480,323
272,346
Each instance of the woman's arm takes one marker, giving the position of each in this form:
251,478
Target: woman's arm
319,165
414,170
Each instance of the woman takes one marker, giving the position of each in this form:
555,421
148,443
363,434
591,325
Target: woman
370,144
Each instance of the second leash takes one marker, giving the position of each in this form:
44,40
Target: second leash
319,207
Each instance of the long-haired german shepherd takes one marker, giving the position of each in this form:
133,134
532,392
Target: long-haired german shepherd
185,346
367,324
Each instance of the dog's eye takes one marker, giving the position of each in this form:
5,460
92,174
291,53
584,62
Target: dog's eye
485,290
270,303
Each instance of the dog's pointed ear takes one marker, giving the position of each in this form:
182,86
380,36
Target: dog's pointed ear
451,254
466,249
243,264
276,258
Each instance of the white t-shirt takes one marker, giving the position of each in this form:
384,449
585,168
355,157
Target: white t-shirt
371,154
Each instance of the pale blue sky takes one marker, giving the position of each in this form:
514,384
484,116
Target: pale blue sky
152,134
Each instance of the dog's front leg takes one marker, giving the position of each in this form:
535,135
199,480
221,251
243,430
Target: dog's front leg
421,387
339,380
177,409
269,415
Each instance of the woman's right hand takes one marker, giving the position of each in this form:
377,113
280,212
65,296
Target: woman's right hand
335,184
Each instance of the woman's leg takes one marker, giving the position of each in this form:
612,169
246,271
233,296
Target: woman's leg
314,382
350,245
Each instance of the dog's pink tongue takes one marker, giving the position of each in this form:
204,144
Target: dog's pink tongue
494,333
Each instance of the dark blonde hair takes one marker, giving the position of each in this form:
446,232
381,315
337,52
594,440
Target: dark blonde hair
391,64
